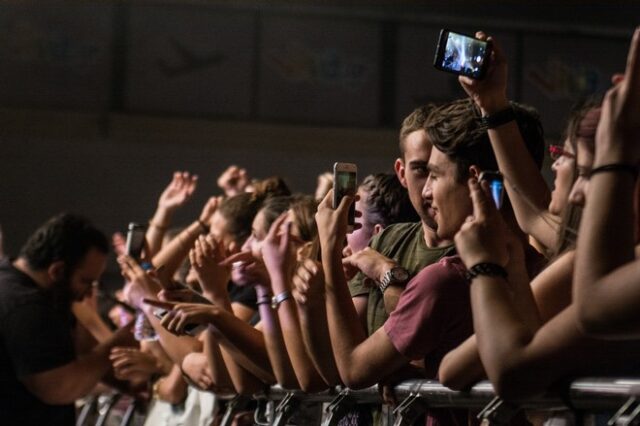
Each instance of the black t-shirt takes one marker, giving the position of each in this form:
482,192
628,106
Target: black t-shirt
35,336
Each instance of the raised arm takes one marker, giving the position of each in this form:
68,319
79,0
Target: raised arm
279,258
175,195
360,361
173,254
606,287
524,183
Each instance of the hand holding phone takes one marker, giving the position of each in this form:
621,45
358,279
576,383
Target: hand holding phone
135,240
462,54
345,182
496,184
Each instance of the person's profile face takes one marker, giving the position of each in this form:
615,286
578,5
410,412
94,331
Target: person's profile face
417,150
80,280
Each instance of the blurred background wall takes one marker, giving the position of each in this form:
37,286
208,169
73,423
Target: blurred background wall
100,101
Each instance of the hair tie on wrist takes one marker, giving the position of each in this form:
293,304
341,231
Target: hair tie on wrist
616,167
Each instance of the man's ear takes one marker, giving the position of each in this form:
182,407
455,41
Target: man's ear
474,172
400,170
55,271
377,228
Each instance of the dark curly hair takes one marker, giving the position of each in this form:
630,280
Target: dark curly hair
457,130
65,237
387,200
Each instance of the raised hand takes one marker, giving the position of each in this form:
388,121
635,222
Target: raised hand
277,252
234,180
618,134
483,237
119,243
490,93
308,282
179,191
140,284
247,270
209,209
332,223
206,260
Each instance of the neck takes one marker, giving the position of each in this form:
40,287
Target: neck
431,239
39,277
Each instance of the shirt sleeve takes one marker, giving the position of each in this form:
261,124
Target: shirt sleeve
37,338
427,308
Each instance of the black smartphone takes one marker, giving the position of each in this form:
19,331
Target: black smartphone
189,329
135,240
462,54
496,184
345,182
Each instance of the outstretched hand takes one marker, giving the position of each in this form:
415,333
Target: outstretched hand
483,237
490,93
179,191
180,315
277,251
233,181
140,283
206,260
618,131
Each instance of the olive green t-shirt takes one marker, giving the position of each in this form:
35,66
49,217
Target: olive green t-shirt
404,243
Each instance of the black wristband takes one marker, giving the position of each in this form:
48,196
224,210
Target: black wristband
490,269
499,118
616,167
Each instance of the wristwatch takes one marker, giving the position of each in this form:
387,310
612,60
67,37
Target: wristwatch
395,275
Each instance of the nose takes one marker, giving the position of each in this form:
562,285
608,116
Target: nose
246,246
426,189
578,193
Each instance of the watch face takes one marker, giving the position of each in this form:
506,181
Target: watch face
399,274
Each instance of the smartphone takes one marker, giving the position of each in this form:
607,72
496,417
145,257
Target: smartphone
496,184
345,182
462,54
189,329
135,240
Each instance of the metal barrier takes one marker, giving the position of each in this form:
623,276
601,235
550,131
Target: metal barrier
586,395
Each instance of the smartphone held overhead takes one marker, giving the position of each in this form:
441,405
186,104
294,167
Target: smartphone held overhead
135,240
462,54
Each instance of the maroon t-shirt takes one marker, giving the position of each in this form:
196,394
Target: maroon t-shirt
433,317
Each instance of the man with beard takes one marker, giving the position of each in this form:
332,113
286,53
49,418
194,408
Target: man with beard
40,374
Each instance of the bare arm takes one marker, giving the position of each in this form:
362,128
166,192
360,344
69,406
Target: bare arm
524,183
65,384
606,279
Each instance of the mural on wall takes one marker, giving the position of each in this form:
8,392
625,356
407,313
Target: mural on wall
56,57
319,71
559,71
190,60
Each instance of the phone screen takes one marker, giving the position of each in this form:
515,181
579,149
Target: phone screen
135,240
460,54
345,183
496,185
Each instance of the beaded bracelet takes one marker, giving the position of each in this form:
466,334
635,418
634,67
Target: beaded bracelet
486,268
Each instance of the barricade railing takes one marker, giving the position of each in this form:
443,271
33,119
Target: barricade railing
585,395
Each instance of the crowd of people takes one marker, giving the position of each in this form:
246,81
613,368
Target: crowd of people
270,287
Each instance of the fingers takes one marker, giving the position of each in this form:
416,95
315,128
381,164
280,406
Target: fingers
482,204
327,201
243,256
275,226
633,63
159,303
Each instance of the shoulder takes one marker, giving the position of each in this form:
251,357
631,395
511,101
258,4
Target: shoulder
17,290
446,272
395,232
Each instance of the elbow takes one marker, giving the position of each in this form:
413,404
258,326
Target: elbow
357,380
591,321
309,385
453,377
515,383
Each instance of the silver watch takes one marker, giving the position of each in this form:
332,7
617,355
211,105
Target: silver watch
395,275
